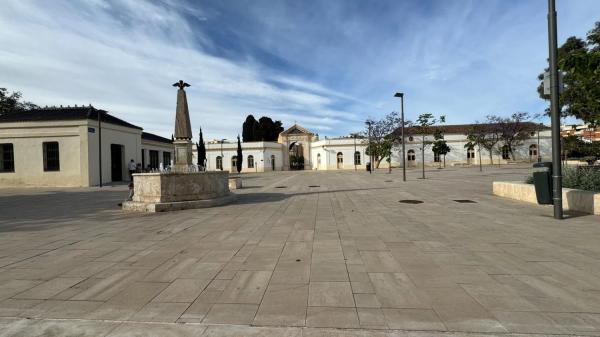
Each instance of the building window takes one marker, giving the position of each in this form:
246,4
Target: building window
250,161
505,152
410,139
318,159
143,158
166,159
436,157
51,156
233,162
356,158
340,160
219,163
153,159
470,153
533,151
7,158
410,156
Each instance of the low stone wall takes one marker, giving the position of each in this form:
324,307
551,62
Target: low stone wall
575,200
159,192
172,187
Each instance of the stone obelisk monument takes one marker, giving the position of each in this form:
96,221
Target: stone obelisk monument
183,131
181,188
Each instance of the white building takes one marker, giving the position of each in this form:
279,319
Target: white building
349,153
60,147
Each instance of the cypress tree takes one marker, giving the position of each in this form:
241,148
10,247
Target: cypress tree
201,149
239,157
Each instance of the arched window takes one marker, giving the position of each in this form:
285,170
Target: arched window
318,159
505,152
410,139
250,161
219,163
533,151
356,158
233,162
340,160
410,156
470,153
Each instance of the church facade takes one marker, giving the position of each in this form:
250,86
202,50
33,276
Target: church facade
297,148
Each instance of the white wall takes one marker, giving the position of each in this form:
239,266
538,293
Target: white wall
129,138
27,140
261,151
148,145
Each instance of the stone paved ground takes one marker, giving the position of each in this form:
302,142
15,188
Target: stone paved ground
288,259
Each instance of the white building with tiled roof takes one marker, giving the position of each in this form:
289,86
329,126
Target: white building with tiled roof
60,146
349,153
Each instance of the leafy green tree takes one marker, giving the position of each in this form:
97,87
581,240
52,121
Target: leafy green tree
513,130
239,156
382,137
201,150
476,136
579,60
12,102
265,129
248,129
440,147
423,127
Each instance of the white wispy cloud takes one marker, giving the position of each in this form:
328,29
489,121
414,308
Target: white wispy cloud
325,64
123,56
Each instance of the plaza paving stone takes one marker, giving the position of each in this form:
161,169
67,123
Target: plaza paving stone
345,258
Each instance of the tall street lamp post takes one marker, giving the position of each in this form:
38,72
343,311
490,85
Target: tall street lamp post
354,155
554,111
401,95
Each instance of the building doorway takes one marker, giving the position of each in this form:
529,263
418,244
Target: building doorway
296,155
233,164
273,162
470,155
533,152
340,160
411,158
116,162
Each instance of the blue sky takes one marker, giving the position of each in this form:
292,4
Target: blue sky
326,64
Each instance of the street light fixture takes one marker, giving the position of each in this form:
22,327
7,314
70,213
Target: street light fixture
554,111
401,95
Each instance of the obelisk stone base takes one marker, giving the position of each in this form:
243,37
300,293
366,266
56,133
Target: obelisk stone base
159,192
183,155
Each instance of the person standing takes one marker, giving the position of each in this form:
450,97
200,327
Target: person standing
132,167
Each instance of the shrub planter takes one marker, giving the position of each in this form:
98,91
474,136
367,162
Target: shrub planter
574,200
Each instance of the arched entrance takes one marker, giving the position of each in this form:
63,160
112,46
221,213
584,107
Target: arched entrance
296,155
340,160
